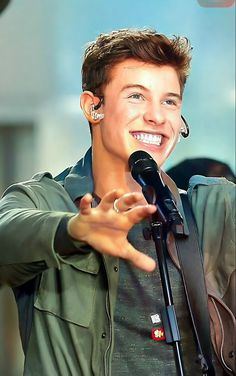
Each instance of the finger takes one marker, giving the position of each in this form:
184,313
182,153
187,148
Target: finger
128,200
136,214
85,204
139,259
109,198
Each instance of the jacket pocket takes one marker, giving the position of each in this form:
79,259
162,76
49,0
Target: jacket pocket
69,293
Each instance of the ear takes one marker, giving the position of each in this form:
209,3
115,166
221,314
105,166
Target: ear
87,101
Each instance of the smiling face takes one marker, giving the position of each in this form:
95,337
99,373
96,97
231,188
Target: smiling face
142,108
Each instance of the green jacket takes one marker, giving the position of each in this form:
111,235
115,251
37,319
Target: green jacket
72,331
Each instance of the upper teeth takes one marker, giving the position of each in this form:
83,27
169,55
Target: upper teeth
148,138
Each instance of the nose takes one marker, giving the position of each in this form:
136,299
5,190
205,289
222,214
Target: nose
154,114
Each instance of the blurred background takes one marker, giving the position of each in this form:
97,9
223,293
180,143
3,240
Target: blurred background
41,125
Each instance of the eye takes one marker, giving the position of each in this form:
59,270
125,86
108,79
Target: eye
170,102
136,96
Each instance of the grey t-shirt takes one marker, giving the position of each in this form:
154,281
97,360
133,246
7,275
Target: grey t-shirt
139,297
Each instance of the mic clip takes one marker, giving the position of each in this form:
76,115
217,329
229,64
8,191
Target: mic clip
167,212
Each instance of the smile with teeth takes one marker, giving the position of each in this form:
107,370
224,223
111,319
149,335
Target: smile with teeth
148,138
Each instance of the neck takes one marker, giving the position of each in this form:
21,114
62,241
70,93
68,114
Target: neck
111,174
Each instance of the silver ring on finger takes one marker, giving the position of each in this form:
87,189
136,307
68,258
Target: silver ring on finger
115,206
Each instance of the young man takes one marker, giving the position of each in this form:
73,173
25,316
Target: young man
76,241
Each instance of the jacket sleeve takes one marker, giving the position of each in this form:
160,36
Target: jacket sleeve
27,233
213,203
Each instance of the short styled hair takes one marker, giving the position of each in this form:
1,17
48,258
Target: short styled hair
145,45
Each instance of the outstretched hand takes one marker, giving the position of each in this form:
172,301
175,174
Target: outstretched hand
106,227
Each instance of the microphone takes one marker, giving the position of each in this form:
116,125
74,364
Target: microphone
146,172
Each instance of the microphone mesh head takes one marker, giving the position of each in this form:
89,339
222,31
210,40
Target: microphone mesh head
136,156
139,161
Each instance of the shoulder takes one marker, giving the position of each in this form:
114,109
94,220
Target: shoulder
211,193
213,201
37,182
41,190
205,181
213,204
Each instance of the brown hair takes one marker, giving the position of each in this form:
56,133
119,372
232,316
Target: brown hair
145,45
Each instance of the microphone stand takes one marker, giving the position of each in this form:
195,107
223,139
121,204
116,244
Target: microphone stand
166,218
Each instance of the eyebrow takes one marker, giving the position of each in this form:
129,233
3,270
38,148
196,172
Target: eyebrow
137,86
176,95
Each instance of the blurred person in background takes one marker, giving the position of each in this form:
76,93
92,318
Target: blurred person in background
183,171
72,247
3,5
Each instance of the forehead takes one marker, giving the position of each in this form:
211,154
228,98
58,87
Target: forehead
132,71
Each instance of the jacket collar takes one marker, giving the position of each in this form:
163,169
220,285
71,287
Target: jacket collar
79,180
